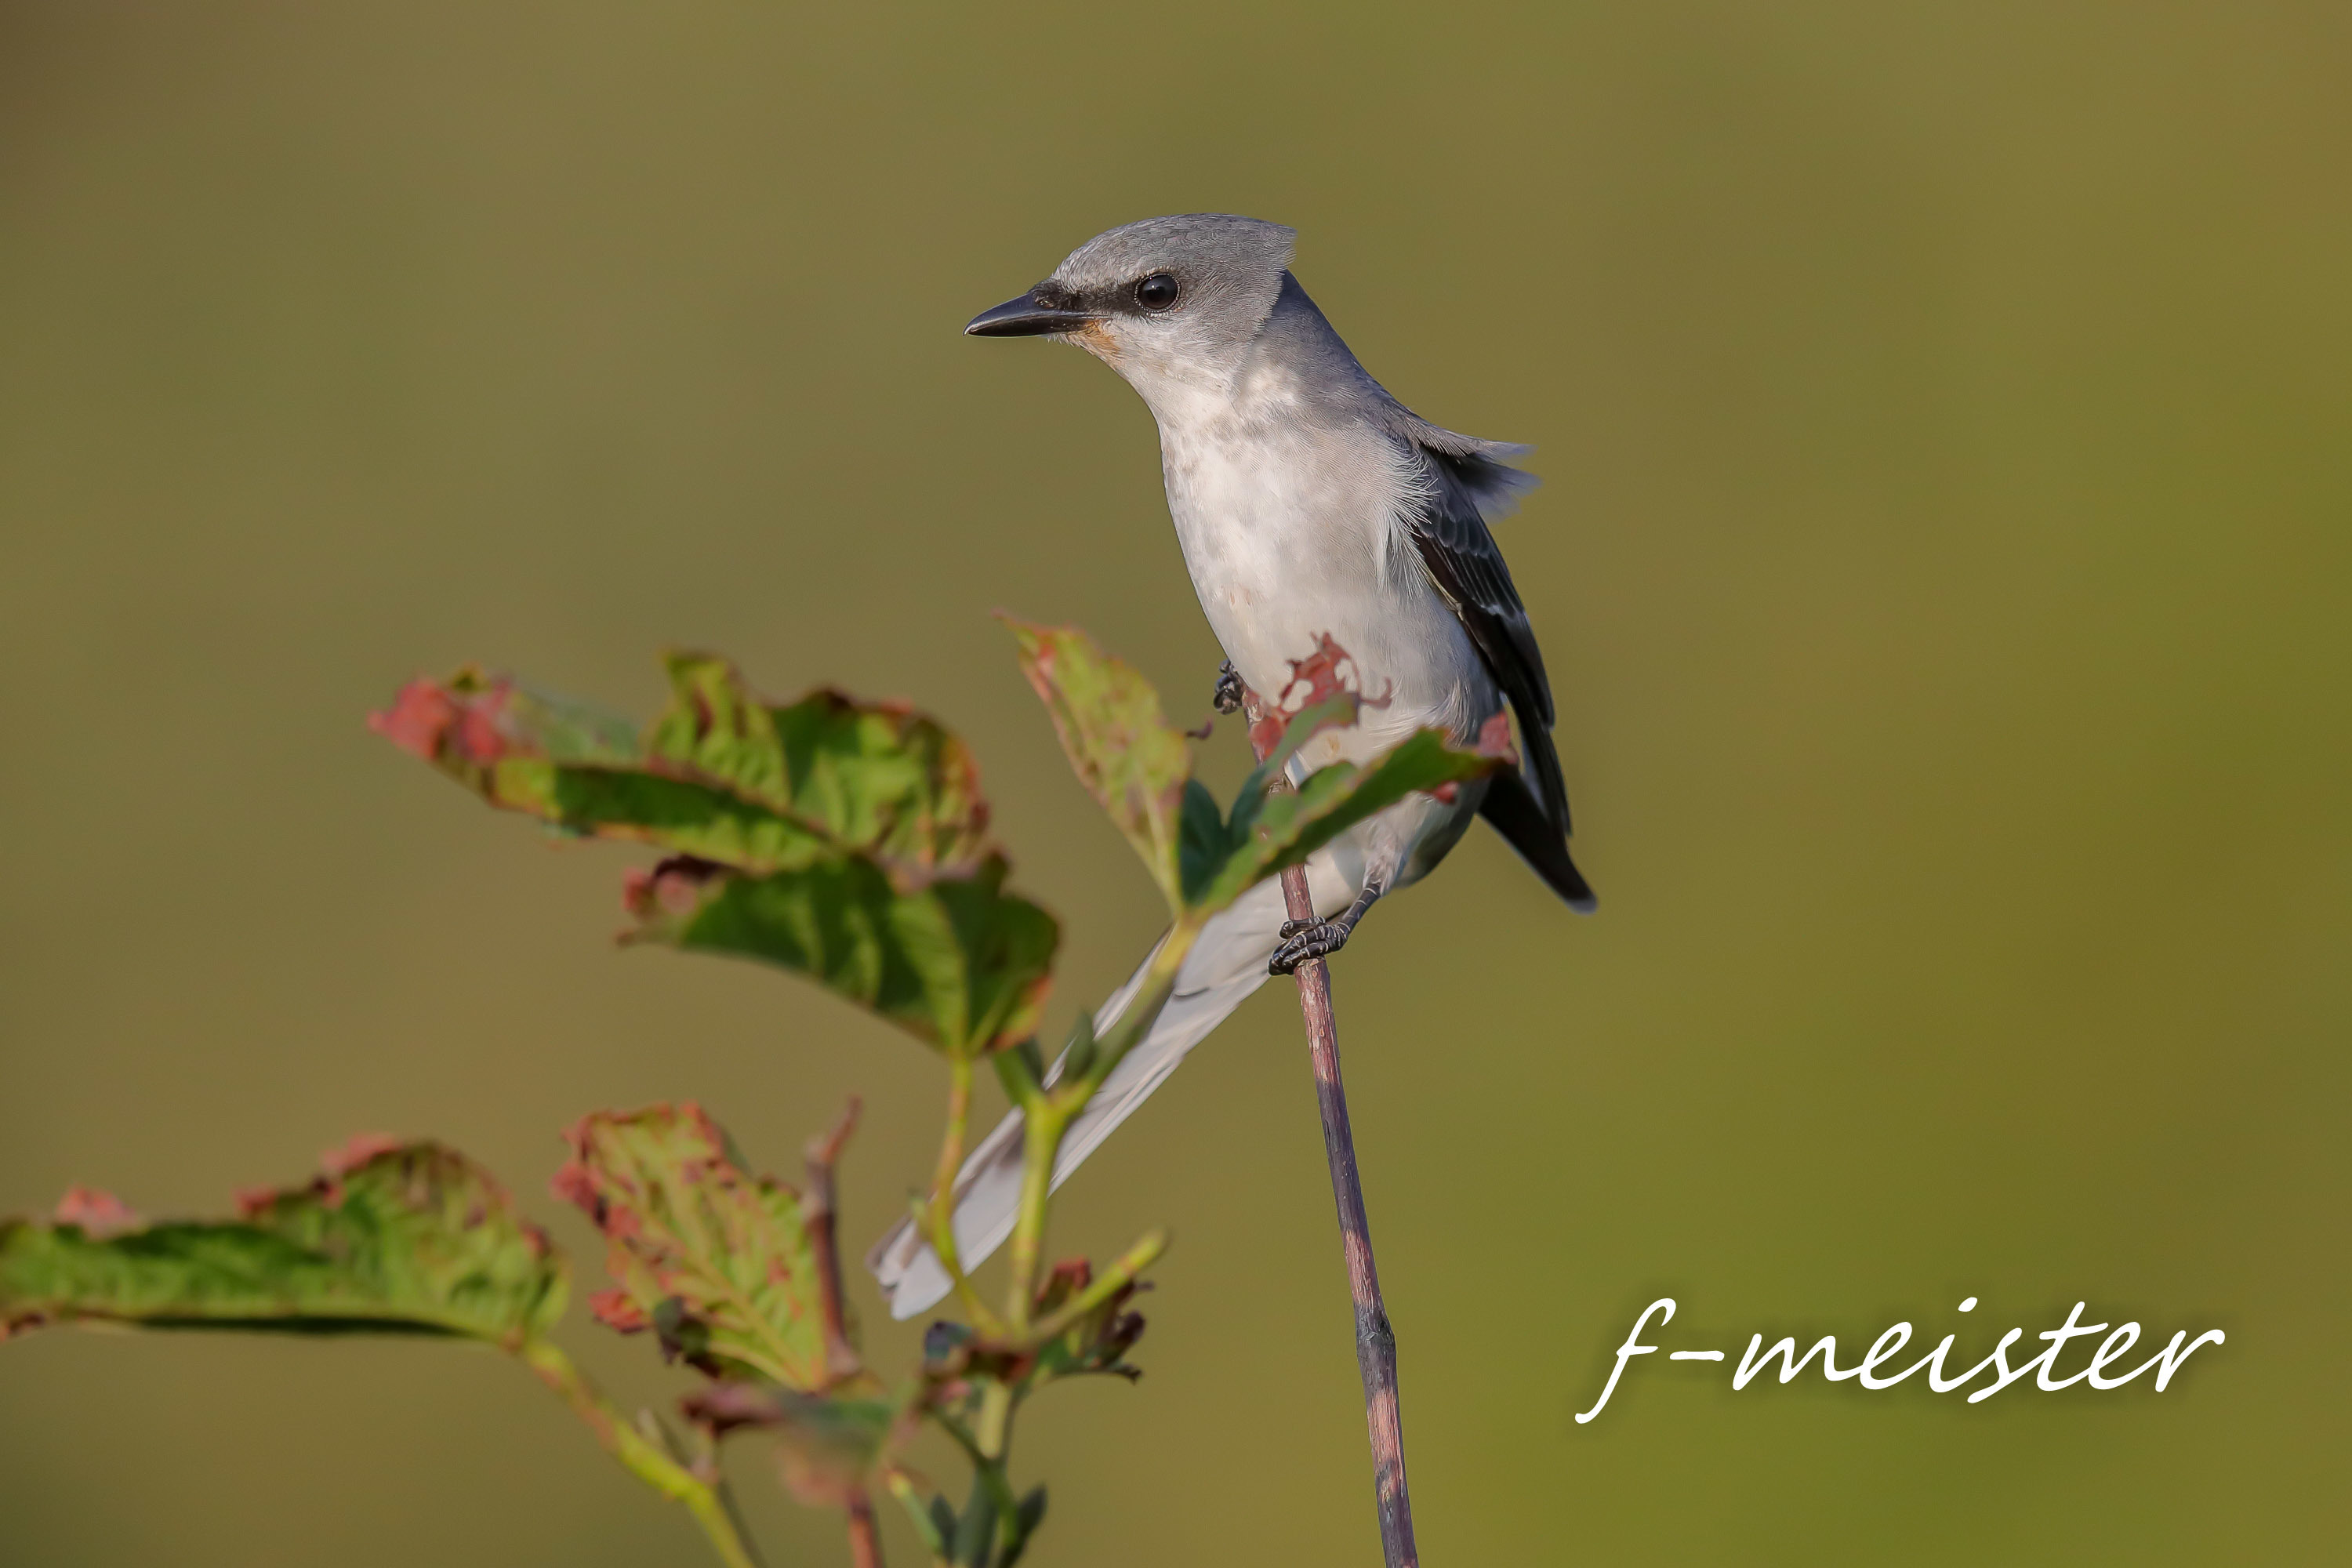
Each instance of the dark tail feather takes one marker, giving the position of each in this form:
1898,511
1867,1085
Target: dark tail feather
1522,821
1543,761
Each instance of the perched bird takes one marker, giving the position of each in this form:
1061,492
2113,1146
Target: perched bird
1308,501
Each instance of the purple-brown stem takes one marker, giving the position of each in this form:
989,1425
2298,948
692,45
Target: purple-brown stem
817,1210
1375,1341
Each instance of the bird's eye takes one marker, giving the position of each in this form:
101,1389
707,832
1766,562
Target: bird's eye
1157,292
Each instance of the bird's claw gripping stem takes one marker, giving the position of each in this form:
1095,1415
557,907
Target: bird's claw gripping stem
1227,697
1304,940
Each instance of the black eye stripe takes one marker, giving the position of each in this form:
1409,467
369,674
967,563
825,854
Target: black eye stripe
1157,292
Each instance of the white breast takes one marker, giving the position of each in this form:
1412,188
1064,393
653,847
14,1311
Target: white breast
1291,528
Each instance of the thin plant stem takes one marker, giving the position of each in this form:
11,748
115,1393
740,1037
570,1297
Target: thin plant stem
818,1209
902,1486
1375,1340
1141,1013
986,1449
865,1534
964,1435
995,1433
1047,1114
1115,1278
708,1501
1048,1117
939,1218
1041,1143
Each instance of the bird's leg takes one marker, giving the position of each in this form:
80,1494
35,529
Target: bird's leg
1303,939
1227,697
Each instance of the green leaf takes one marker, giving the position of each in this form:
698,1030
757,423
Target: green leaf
715,1259
1026,1517
393,1238
1110,723
847,841
720,774
943,1522
1126,752
1273,830
961,964
877,777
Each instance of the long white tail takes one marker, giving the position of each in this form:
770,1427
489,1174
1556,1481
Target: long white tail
1226,964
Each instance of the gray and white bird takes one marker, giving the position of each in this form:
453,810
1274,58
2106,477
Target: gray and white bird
1307,501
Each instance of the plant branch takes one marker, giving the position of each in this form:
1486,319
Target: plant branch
965,1439
992,1436
1047,1119
937,1217
1375,1341
1115,1278
1041,1141
706,1500
903,1489
818,1210
865,1534
1141,1013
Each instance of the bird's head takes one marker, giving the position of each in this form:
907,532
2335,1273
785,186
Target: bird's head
1175,298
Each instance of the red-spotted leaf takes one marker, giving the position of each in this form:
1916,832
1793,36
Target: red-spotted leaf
392,1237
844,840
99,1215
1111,725
715,1259
1124,751
721,774
1325,691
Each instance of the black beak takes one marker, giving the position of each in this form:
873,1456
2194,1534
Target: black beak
1026,317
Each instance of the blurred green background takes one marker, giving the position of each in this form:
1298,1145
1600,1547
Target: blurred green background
1946,412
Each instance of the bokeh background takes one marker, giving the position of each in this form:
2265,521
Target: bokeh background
1943,563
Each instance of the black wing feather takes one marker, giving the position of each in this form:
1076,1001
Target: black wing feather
1468,569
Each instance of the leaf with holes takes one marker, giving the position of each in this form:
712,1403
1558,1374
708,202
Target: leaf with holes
391,1238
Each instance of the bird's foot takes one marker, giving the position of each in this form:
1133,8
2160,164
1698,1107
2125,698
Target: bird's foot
1227,697
1304,940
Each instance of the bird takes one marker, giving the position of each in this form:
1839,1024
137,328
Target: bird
1308,504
